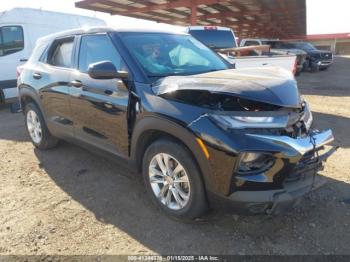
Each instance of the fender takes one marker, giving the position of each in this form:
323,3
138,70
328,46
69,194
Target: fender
158,123
28,91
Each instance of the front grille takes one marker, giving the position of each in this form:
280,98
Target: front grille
326,56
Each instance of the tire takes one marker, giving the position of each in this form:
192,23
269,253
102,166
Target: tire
42,139
306,66
194,204
314,68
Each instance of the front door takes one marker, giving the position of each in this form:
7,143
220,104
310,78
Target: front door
99,107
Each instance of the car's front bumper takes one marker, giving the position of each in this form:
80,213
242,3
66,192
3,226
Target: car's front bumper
302,179
322,63
287,177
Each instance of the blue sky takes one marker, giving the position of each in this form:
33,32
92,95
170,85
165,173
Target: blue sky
323,16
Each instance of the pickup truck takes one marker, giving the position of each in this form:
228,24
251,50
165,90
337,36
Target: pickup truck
316,59
280,47
223,41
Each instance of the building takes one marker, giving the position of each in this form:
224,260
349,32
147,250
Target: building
248,18
337,43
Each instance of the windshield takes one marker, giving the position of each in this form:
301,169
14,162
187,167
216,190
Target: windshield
162,54
219,39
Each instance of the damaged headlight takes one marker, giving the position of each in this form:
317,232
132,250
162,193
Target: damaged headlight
240,122
252,162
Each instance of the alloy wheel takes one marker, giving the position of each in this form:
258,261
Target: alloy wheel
34,126
169,181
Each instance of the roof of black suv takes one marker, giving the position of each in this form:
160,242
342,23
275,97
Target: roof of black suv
93,30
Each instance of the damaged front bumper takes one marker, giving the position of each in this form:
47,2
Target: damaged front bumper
300,179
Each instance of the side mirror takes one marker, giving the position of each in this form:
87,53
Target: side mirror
106,70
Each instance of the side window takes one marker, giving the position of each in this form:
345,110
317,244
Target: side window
96,48
43,56
11,40
276,45
250,43
61,53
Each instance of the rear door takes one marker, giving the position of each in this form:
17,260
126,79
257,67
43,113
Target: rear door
99,107
52,76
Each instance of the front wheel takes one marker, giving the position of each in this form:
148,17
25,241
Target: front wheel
173,180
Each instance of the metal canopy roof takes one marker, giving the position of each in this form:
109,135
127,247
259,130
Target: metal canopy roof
248,18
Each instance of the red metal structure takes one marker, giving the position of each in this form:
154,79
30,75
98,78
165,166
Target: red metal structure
248,18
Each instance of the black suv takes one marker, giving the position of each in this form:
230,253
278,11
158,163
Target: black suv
316,59
198,130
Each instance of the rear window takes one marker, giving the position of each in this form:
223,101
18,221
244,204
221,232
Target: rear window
11,40
212,38
61,53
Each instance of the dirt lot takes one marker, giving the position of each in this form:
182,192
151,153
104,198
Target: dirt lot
70,201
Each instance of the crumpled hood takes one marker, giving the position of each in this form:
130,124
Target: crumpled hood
271,85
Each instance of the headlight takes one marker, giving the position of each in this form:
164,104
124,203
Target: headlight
251,162
240,122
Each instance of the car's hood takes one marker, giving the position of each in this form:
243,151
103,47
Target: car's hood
319,52
271,85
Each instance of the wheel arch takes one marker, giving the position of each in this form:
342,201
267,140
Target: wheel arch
28,95
152,128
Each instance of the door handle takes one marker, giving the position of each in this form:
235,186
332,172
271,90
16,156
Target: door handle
23,60
37,75
108,92
76,83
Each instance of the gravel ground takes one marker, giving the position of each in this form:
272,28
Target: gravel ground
69,201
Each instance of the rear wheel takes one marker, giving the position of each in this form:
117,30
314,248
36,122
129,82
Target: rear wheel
37,129
173,180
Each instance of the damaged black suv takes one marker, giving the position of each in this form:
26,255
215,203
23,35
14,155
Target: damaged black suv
198,130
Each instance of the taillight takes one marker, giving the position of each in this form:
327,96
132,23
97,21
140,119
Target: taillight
18,71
